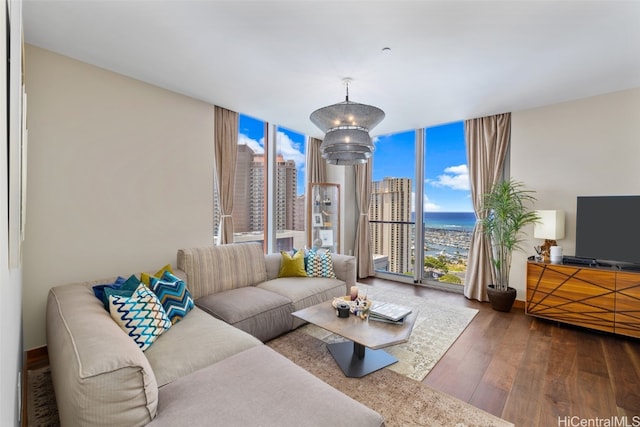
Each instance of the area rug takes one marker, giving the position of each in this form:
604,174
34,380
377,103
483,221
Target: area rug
437,327
400,400
42,410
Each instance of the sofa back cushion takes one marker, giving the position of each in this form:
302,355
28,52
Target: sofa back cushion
220,268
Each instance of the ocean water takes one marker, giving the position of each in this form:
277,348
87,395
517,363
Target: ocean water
448,233
462,221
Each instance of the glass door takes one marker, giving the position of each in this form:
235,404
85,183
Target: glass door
324,217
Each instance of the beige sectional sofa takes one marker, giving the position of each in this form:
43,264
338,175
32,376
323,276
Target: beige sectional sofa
203,370
239,284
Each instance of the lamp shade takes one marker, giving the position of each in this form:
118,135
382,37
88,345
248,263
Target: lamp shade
551,225
346,147
347,114
346,126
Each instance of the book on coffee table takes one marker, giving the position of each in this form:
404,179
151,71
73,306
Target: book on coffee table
385,320
387,311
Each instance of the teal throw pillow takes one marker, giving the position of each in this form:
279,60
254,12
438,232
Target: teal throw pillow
173,295
125,289
98,290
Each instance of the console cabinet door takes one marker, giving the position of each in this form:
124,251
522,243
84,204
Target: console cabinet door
579,296
628,304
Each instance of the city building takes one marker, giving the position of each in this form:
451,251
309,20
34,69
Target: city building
391,205
248,202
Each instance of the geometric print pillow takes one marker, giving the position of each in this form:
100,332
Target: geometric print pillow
320,265
141,316
173,295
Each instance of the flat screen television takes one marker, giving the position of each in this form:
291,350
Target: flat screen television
608,229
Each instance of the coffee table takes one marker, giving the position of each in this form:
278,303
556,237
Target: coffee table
363,353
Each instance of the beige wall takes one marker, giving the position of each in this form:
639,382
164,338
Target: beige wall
120,176
580,148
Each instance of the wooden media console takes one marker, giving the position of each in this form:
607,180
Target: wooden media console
602,298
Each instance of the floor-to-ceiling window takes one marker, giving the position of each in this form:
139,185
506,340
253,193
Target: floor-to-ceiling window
289,203
249,189
448,212
392,203
259,213
438,253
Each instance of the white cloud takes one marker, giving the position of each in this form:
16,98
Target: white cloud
290,150
428,206
460,169
431,207
454,177
256,146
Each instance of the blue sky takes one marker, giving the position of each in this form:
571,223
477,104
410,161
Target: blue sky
289,143
446,184
446,178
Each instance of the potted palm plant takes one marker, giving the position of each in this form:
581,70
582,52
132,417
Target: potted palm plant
507,208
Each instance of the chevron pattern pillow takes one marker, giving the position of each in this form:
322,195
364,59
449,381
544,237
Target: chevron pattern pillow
173,295
320,265
141,316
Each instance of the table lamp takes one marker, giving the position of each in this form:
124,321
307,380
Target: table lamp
550,227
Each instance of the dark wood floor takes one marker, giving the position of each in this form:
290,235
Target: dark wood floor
531,371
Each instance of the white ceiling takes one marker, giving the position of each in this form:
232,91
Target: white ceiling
280,60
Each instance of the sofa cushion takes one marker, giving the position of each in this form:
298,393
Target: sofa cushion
304,292
258,387
173,295
141,316
220,268
263,314
196,341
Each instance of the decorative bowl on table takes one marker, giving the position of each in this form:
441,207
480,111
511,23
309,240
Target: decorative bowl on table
358,307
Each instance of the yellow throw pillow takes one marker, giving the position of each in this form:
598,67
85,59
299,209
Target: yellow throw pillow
292,266
146,278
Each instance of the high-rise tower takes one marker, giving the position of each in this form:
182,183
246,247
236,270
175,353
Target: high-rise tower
391,202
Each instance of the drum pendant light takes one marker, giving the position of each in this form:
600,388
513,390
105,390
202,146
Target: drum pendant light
346,126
